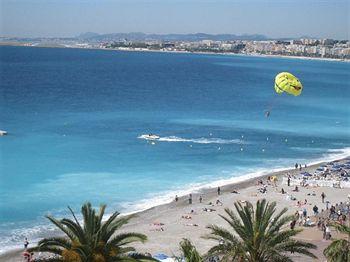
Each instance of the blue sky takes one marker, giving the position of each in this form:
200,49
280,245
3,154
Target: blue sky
275,18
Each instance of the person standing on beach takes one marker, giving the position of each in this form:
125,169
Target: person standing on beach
26,243
292,224
190,199
328,232
327,205
219,191
304,213
324,230
176,198
200,199
323,196
288,181
296,165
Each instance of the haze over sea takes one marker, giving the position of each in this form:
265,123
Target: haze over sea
74,117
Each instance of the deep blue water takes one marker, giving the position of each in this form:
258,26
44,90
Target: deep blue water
74,117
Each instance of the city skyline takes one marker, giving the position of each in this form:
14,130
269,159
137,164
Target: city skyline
275,19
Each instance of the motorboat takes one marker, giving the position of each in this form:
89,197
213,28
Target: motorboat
150,137
3,133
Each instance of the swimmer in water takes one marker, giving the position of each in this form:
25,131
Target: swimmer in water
267,113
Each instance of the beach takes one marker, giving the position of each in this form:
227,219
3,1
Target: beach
166,225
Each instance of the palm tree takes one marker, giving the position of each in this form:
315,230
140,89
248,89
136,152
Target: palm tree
92,241
339,249
260,235
189,252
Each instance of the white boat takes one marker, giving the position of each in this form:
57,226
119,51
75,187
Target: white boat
150,137
3,133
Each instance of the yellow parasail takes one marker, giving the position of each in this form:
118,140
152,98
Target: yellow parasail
286,82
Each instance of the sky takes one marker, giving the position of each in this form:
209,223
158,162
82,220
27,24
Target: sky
273,18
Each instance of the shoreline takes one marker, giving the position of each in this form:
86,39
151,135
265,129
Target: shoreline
143,218
213,184
183,52
244,183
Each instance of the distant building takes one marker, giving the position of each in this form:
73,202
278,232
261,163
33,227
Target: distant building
327,42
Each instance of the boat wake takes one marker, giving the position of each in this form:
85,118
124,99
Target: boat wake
201,140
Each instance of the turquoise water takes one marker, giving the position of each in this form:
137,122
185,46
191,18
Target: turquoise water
74,117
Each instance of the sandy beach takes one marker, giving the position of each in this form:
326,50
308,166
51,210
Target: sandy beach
166,225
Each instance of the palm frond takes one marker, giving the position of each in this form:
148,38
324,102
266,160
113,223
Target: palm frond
65,230
262,235
338,250
189,251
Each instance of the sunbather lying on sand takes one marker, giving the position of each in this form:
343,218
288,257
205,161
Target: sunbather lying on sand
157,224
208,209
191,225
218,202
263,190
157,229
186,217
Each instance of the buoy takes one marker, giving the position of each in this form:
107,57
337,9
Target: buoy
241,148
286,140
263,150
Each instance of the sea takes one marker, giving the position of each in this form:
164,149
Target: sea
76,119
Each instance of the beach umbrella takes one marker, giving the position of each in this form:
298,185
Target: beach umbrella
336,169
306,174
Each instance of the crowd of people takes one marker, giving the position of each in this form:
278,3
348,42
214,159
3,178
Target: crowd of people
333,174
317,217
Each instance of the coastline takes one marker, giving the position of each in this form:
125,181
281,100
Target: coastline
168,197
182,52
166,212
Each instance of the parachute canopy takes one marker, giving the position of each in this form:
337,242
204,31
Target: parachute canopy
286,82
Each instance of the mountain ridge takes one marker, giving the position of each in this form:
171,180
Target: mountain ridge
134,36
